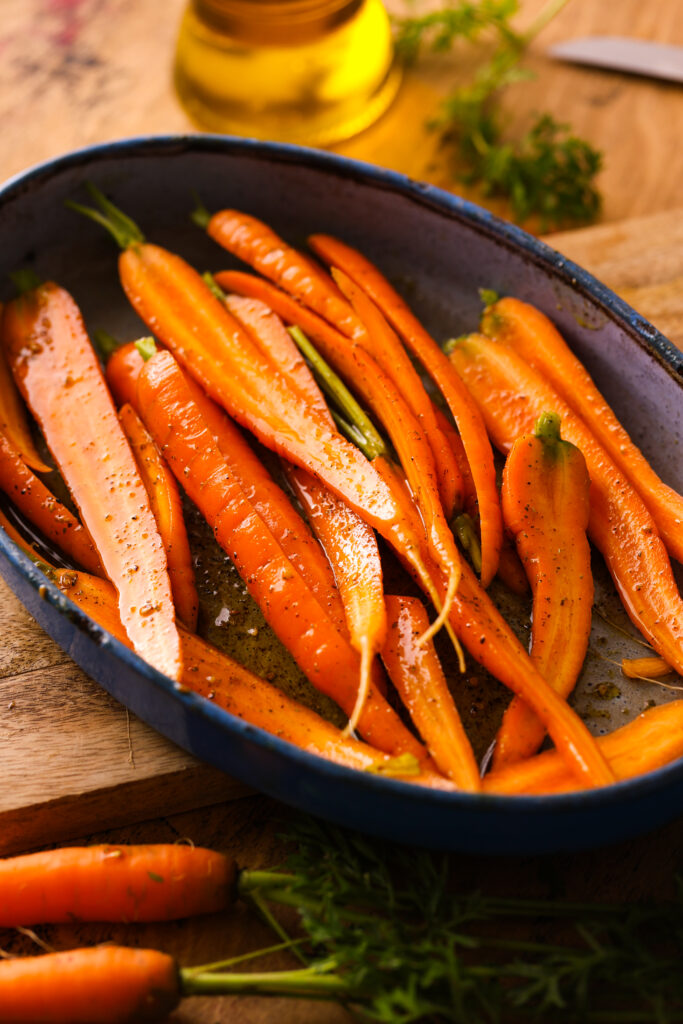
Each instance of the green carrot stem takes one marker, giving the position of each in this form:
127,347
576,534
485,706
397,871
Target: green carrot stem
200,215
105,343
146,347
123,230
547,428
25,280
309,981
213,285
352,434
249,880
467,535
255,954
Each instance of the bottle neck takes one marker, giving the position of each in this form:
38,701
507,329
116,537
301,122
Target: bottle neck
275,22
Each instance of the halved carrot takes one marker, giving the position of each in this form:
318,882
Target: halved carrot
43,510
160,882
512,396
287,603
13,420
537,340
59,375
418,677
546,508
425,349
653,739
645,668
164,499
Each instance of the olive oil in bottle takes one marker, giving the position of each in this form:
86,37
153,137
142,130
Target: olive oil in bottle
312,72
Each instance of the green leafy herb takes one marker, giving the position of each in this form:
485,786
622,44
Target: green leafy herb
549,172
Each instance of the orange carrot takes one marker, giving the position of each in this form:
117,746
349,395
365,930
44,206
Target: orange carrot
161,882
287,603
546,507
43,510
652,740
423,347
13,421
530,333
511,571
645,668
512,396
418,677
165,502
100,985
59,375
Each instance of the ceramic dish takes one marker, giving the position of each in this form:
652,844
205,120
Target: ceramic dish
438,250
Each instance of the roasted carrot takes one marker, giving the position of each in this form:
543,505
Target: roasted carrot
424,348
653,739
530,333
59,375
164,499
512,396
510,569
418,677
161,882
546,507
645,668
287,603
13,420
99,985
43,510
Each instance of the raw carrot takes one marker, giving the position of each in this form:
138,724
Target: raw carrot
645,668
546,507
161,882
424,348
58,373
530,333
653,739
512,396
43,510
100,985
164,499
418,677
287,603
13,420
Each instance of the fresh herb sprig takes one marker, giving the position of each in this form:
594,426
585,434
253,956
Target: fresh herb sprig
549,173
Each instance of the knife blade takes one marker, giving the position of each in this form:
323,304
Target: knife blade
618,53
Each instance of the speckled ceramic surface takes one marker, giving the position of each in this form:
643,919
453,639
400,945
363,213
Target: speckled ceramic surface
439,251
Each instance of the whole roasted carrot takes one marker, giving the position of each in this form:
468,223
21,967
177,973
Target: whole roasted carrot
287,603
418,677
425,349
43,510
530,333
13,421
59,375
161,882
512,396
546,507
651,740
164,499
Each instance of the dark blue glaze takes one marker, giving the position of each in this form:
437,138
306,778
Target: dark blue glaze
449,247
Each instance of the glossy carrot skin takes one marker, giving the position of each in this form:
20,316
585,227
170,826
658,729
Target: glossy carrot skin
512,396
424,348
97,985
418,677
645,668
164,499
652,740
162,882
227,684
43,510
546,507
13,420
287,603
530,333
59,375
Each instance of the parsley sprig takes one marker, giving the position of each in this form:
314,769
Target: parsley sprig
549,173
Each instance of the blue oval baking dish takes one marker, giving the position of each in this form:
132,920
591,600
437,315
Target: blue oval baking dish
439,250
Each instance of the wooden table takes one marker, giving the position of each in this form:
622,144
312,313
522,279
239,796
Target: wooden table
74,72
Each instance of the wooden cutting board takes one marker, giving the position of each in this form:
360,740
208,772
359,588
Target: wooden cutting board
74,760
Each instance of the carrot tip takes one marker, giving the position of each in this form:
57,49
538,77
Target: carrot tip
366,656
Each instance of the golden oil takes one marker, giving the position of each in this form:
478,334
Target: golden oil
312,72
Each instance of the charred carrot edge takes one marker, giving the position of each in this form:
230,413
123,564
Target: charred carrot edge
13,419
644,668
531,334
352,551
160,882
620,525
215,676
287,603
424,348
43,510
418,677
59,375
652,740
546,507
164,499
383,345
